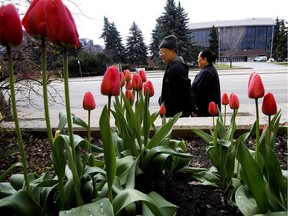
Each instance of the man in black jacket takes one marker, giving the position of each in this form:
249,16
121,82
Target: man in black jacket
176,85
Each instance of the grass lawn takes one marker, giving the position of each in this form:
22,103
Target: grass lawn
281,63
226,66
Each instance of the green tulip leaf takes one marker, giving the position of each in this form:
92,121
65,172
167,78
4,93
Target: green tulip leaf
277,185
123,166
253,177
206,137
19,203
164,132
129,196
58,156
108,147
78,121
150,156
166,207
6,189
245,201
9,170
62,120
99,207
282,213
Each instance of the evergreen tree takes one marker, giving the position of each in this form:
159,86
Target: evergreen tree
214,40
113,42
154,45
173,21
279,50
184,35
136,49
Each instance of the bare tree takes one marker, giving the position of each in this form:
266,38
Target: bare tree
231,38
27,72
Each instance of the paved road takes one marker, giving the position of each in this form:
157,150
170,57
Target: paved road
274,79
273,76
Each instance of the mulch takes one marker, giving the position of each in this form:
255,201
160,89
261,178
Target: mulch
180,189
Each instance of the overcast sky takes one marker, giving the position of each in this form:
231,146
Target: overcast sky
145,12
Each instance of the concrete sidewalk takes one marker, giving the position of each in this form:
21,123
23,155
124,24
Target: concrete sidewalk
33,120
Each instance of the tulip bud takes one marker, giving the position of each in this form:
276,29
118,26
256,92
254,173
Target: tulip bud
148,86
111,82
61,27
122,79
129,85
162,110
136,82
11,32
88,101
234,101
269,106
225,99
130,96
143,75
212,109
34,20
255,86
127,75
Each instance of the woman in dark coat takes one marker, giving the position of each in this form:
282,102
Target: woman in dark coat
176,85
206,85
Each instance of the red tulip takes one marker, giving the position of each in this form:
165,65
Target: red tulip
225,99
269,106
136,82
130,96
127,75
122,79
129,85
34,20
11,32
234,101
61,27
162,110
111,82
143,75
148,86
212,108
255,86
89,101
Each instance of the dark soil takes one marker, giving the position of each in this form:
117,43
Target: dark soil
180,189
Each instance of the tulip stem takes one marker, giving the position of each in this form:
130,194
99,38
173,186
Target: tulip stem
70,129
109,105
257,131
16,120
89,131
45,92
270,129
225,115
46,110
163,120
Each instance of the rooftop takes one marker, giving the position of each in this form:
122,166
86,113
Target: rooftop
228,23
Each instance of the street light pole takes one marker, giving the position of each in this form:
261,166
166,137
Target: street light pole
271,56
219,44
80,68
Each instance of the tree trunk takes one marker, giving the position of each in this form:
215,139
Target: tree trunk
5,109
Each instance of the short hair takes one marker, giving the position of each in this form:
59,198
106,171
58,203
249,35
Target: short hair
206,53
